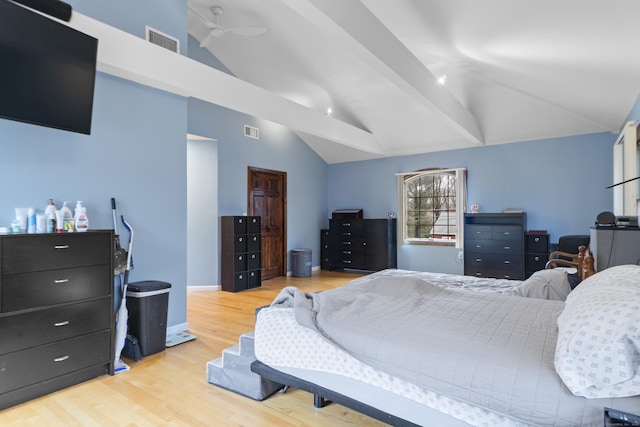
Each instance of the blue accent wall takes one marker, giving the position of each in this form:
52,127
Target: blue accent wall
559,182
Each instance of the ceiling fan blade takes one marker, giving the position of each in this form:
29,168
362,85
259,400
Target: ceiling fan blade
247,31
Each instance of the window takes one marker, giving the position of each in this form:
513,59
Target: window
432,206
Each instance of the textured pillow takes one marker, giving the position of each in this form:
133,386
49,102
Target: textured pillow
550,284
598,349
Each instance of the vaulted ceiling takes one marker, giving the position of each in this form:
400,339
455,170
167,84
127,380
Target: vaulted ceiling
515,70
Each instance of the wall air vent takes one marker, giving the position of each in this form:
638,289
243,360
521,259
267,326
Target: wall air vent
251,132
163,40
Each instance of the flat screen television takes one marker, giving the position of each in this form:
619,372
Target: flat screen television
47,70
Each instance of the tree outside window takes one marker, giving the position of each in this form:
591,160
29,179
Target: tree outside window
431,206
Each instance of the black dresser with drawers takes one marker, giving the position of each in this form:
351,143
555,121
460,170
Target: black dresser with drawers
241,245
56,312
362,244
494,245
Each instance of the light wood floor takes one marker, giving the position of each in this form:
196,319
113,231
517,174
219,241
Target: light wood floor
170,388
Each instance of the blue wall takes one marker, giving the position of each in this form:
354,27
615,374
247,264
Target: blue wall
135,153
277,149
559,182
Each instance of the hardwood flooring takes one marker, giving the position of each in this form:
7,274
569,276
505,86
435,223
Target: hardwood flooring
170,388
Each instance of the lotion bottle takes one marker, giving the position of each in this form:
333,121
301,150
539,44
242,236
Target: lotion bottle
81,220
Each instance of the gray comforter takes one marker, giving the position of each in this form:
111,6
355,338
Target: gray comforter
491,350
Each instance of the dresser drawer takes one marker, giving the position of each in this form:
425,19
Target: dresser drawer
30,290
493,260
536,262
498,273
473,232
507,232
23,368
506,247
239,243
253,261
30,329
22,254
254,243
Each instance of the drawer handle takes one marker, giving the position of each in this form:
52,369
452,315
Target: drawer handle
65,323
507,262
478,232
478,259
507,247
346,234
506,233
537,258
346,243
60,359
536,239
346,252
346,261
61,281
61,246
346,224
478,246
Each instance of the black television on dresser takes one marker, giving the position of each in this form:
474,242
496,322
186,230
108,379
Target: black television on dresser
47,70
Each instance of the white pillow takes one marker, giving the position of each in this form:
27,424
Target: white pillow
550,284
598,349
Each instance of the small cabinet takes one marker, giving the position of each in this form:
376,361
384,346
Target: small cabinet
494,245
241,261
362,244
537,246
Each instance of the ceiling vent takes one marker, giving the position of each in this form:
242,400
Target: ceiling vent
251,132
163,40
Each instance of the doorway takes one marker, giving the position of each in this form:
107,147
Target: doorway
267,194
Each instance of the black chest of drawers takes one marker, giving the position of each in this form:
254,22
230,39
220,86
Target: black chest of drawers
56,312
241,245
362,244
494,245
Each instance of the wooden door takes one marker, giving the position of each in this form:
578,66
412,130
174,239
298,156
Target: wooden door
267,199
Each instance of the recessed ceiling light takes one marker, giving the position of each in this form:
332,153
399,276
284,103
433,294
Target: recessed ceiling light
442,80
329,111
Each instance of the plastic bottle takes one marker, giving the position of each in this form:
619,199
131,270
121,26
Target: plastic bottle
67,217
31,220
81,220
50,216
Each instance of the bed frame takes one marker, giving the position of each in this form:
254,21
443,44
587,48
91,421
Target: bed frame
324,396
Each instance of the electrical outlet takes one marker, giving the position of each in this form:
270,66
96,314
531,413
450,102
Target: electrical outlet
460,255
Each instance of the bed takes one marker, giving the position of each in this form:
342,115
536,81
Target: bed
415,348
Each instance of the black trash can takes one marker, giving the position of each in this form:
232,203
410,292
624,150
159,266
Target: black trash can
301,262
148,304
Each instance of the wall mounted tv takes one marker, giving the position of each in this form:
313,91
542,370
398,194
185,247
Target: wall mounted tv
47,70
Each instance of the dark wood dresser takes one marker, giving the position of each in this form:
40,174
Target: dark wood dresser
362,244
56,312
494,245
241,245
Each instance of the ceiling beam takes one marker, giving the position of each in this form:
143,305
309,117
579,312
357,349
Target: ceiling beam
124,55
351,24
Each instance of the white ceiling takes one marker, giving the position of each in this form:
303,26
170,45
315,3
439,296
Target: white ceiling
515,70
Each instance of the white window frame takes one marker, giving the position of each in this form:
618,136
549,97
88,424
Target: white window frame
461,203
